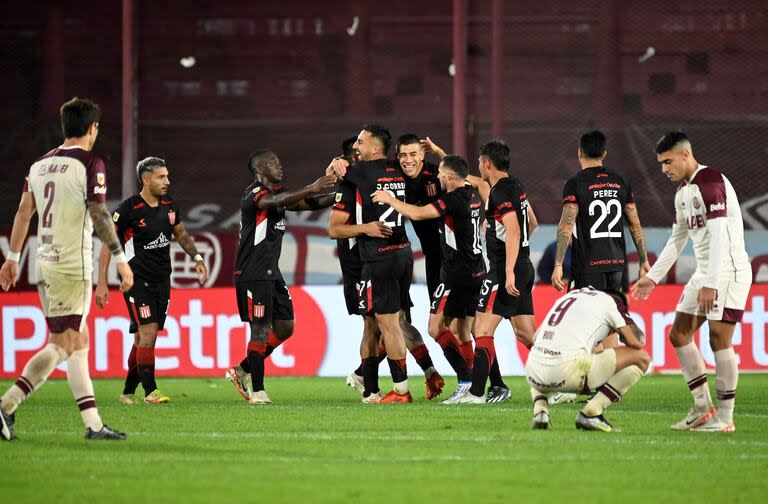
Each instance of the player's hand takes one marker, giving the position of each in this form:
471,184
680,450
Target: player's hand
557,278
338,167
510,285
706,299
383,197
102,294
642,289
644,269
378,229
9,273
202,272
323,183
429,146
126,274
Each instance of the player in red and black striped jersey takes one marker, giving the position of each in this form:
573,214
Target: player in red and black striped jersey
458,213
506,290
263,299
144,224
597,202
387,262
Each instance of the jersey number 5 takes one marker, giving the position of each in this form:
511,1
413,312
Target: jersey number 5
605,211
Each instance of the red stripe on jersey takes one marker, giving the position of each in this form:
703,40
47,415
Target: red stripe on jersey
138,206
128,234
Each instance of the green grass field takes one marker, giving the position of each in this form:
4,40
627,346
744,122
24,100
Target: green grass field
318,443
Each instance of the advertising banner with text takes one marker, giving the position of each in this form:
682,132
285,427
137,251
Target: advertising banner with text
203,334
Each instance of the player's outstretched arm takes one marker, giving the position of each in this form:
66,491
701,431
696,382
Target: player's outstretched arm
9,273
188,245
636,230
105,230
289,198
429,146
564,235
481,186
102,289
313,203
413,212
338,229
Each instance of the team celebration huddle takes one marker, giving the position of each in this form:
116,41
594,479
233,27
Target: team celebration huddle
474,232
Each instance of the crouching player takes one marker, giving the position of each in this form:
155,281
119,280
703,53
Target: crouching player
567,356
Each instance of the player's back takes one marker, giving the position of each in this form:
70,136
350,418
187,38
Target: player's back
576,323
598,235
63,181
461,245
506,196
368,177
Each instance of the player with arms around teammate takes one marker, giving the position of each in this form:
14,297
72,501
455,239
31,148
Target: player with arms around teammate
596,204
563,357
67,188
262,296
387,262
144,224
706,211
455,297
506,292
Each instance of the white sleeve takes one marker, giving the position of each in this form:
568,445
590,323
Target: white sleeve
672,249
717,243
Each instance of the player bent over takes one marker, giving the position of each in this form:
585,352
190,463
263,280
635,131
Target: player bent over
144,225
263,299
564,358
67,187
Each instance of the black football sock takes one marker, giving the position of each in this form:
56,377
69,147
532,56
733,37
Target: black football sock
485,354
370,375
494,375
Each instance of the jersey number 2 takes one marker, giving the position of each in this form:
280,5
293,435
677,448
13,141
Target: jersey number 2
605,211
48,191
396,221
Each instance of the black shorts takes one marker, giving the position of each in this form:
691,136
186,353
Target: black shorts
456,296
147,304
602,281
350,275
263,300
385,285
494,296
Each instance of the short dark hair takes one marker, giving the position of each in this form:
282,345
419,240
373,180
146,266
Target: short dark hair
592,144
347,145
77,115
456,164
148,164
381,134
670,141
498,153
255,158
407,139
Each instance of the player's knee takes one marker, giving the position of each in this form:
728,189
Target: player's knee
284,329
679,337
434,328
643,360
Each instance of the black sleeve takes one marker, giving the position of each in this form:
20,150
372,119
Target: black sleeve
345,198
569,192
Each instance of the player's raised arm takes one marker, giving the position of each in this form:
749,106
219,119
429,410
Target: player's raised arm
105,230
313,203
636,230
481,186
429,146
9,273
289,198
413,212
188,245
564,235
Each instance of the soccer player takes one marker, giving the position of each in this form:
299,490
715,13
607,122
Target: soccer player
455,297
706,211
67,188
564,356
387,262
596,203
263,299
144,225
342,227
506,291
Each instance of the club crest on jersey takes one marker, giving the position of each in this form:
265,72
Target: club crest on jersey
696,204
172,217
144,311
100,178
142,223
431,189
338,197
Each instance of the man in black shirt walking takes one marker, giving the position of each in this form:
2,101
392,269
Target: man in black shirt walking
144,225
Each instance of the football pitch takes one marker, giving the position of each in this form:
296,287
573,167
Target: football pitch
318,443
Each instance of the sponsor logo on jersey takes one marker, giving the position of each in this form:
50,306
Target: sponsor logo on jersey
338,197
115,217
172,217
101,179
280,225
142,223
717,206
144,311
159,242
100,190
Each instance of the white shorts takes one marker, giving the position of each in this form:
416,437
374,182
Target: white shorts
731,299
66,300
581,374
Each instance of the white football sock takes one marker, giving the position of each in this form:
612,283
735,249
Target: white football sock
695,374
400,387
82,388
727,378
37,370
539,401
613,389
